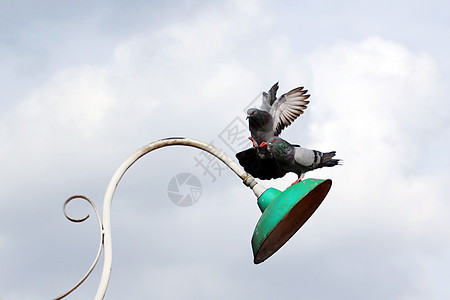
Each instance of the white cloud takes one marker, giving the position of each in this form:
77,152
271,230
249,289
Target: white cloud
373,101
380,100
369,105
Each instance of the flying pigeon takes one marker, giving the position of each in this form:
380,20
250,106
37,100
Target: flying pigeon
293,158
275,113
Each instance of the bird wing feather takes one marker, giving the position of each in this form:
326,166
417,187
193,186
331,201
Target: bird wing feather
257,167
287,108
269,98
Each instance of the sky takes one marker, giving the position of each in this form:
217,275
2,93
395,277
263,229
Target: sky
85,84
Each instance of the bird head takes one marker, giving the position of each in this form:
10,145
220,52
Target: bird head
278,146
251,112
258,118
271,142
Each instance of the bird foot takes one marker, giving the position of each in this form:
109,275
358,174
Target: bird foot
263,145
255,144
297,181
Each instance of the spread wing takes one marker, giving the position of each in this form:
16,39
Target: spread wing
287,108
258,167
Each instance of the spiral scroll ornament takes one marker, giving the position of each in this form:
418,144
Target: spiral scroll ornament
105,243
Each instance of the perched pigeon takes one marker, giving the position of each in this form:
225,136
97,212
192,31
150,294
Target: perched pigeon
293,158
275,114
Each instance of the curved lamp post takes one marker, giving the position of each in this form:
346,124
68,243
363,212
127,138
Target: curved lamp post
283,213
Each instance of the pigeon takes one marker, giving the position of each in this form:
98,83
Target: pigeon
275,114
294,158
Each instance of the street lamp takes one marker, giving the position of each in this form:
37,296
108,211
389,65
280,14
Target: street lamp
283,213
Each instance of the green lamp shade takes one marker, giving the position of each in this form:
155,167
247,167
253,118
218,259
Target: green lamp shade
284,213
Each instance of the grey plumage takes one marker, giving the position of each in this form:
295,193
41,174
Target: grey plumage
271,156
293,158
275,114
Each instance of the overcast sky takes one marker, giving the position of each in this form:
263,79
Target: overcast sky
86,83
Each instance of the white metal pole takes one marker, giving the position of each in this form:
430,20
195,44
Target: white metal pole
107,244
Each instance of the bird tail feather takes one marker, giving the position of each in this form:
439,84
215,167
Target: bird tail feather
332,163
328,160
